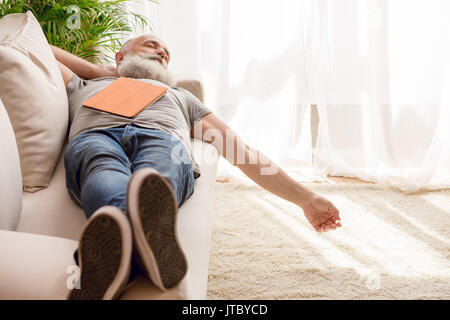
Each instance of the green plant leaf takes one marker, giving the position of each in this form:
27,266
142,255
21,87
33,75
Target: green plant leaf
103,23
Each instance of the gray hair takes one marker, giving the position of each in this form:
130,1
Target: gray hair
125,45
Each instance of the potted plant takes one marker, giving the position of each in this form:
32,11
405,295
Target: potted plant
90,29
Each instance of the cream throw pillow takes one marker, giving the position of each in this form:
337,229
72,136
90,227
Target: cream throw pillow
33,92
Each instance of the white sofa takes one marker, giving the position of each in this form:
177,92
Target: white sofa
40,231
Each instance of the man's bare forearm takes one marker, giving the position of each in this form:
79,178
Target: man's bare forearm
79,66
253,163
319,212
271,177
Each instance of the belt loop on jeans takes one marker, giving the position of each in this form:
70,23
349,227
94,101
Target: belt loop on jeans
125,138
125,130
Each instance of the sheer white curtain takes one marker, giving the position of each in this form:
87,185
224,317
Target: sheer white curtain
253,66
382,89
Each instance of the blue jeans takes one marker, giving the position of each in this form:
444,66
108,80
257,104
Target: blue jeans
99,163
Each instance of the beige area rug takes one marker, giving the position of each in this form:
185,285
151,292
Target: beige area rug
392,245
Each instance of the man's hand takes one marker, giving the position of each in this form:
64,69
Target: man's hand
321,214
105,70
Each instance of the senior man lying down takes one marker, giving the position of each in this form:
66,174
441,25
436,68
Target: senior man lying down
125,174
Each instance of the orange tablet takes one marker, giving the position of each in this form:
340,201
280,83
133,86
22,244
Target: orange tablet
125,97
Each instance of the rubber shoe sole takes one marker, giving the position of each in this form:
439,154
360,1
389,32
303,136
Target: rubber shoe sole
105,251
152,209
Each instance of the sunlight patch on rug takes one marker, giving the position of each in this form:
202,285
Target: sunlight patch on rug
392,245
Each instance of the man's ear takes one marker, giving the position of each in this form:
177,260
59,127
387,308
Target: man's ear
119,57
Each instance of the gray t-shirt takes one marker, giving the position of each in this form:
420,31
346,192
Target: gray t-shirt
174,113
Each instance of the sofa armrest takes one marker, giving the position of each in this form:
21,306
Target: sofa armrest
193,86
34,266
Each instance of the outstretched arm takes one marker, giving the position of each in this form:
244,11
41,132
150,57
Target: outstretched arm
320,212
79,66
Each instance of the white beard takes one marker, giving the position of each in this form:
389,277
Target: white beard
142,67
